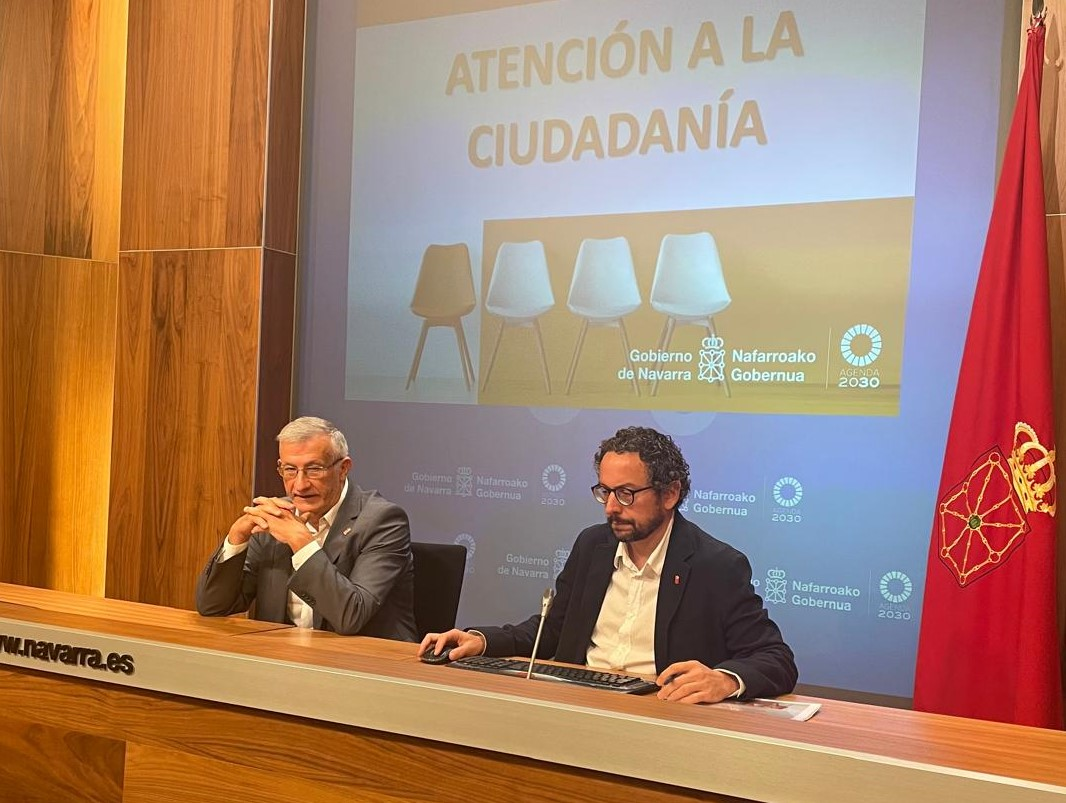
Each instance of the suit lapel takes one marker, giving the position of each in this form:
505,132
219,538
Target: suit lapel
344,526
672,584
341,532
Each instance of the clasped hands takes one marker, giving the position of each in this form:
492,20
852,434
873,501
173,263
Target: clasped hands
275,516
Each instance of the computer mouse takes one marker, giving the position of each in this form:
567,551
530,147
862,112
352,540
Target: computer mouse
429,657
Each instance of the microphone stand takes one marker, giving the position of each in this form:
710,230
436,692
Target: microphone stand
545,606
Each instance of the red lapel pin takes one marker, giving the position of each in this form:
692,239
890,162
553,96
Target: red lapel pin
677,579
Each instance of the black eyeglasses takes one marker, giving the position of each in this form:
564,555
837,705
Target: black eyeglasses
625,496
313,472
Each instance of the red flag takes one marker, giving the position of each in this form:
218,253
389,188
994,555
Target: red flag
988,646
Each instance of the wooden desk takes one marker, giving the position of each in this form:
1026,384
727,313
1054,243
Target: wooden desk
238,710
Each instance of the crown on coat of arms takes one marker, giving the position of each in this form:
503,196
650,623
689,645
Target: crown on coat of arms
1032,467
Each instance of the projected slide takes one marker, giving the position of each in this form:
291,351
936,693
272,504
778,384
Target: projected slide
635,206
753,226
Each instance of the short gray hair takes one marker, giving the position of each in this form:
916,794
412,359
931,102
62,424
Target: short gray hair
309,426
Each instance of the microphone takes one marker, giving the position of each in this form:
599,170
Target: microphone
545,606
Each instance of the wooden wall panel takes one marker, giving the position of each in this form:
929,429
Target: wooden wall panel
43,763
195,136
286,114
25,64
276,345
61,126
1053,106
110,119
1056,240
203,381
185,400
57,348
156,109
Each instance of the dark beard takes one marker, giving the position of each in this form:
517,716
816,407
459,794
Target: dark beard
636,533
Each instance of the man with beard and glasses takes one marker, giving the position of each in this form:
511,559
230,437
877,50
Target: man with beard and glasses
648,592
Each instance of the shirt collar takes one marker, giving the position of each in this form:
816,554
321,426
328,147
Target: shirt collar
654,566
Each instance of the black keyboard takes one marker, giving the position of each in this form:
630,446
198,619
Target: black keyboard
592,678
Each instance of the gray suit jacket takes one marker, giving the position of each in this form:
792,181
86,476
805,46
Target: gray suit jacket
362,582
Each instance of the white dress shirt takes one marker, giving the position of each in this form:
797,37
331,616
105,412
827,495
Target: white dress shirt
623,639
624,636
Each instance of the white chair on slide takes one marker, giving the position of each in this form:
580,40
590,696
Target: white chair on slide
519,293
689,287
444,293
603,291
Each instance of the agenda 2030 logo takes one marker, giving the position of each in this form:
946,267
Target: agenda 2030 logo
860,346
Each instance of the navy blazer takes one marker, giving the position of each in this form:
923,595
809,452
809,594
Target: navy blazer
707,611
361,582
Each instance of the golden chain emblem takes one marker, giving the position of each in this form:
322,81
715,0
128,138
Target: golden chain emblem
981,520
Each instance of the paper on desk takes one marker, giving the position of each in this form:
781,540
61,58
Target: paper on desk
784,709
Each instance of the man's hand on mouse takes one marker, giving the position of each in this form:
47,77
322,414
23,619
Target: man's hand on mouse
462,643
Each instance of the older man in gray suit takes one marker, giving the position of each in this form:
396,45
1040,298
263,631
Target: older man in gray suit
331,556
